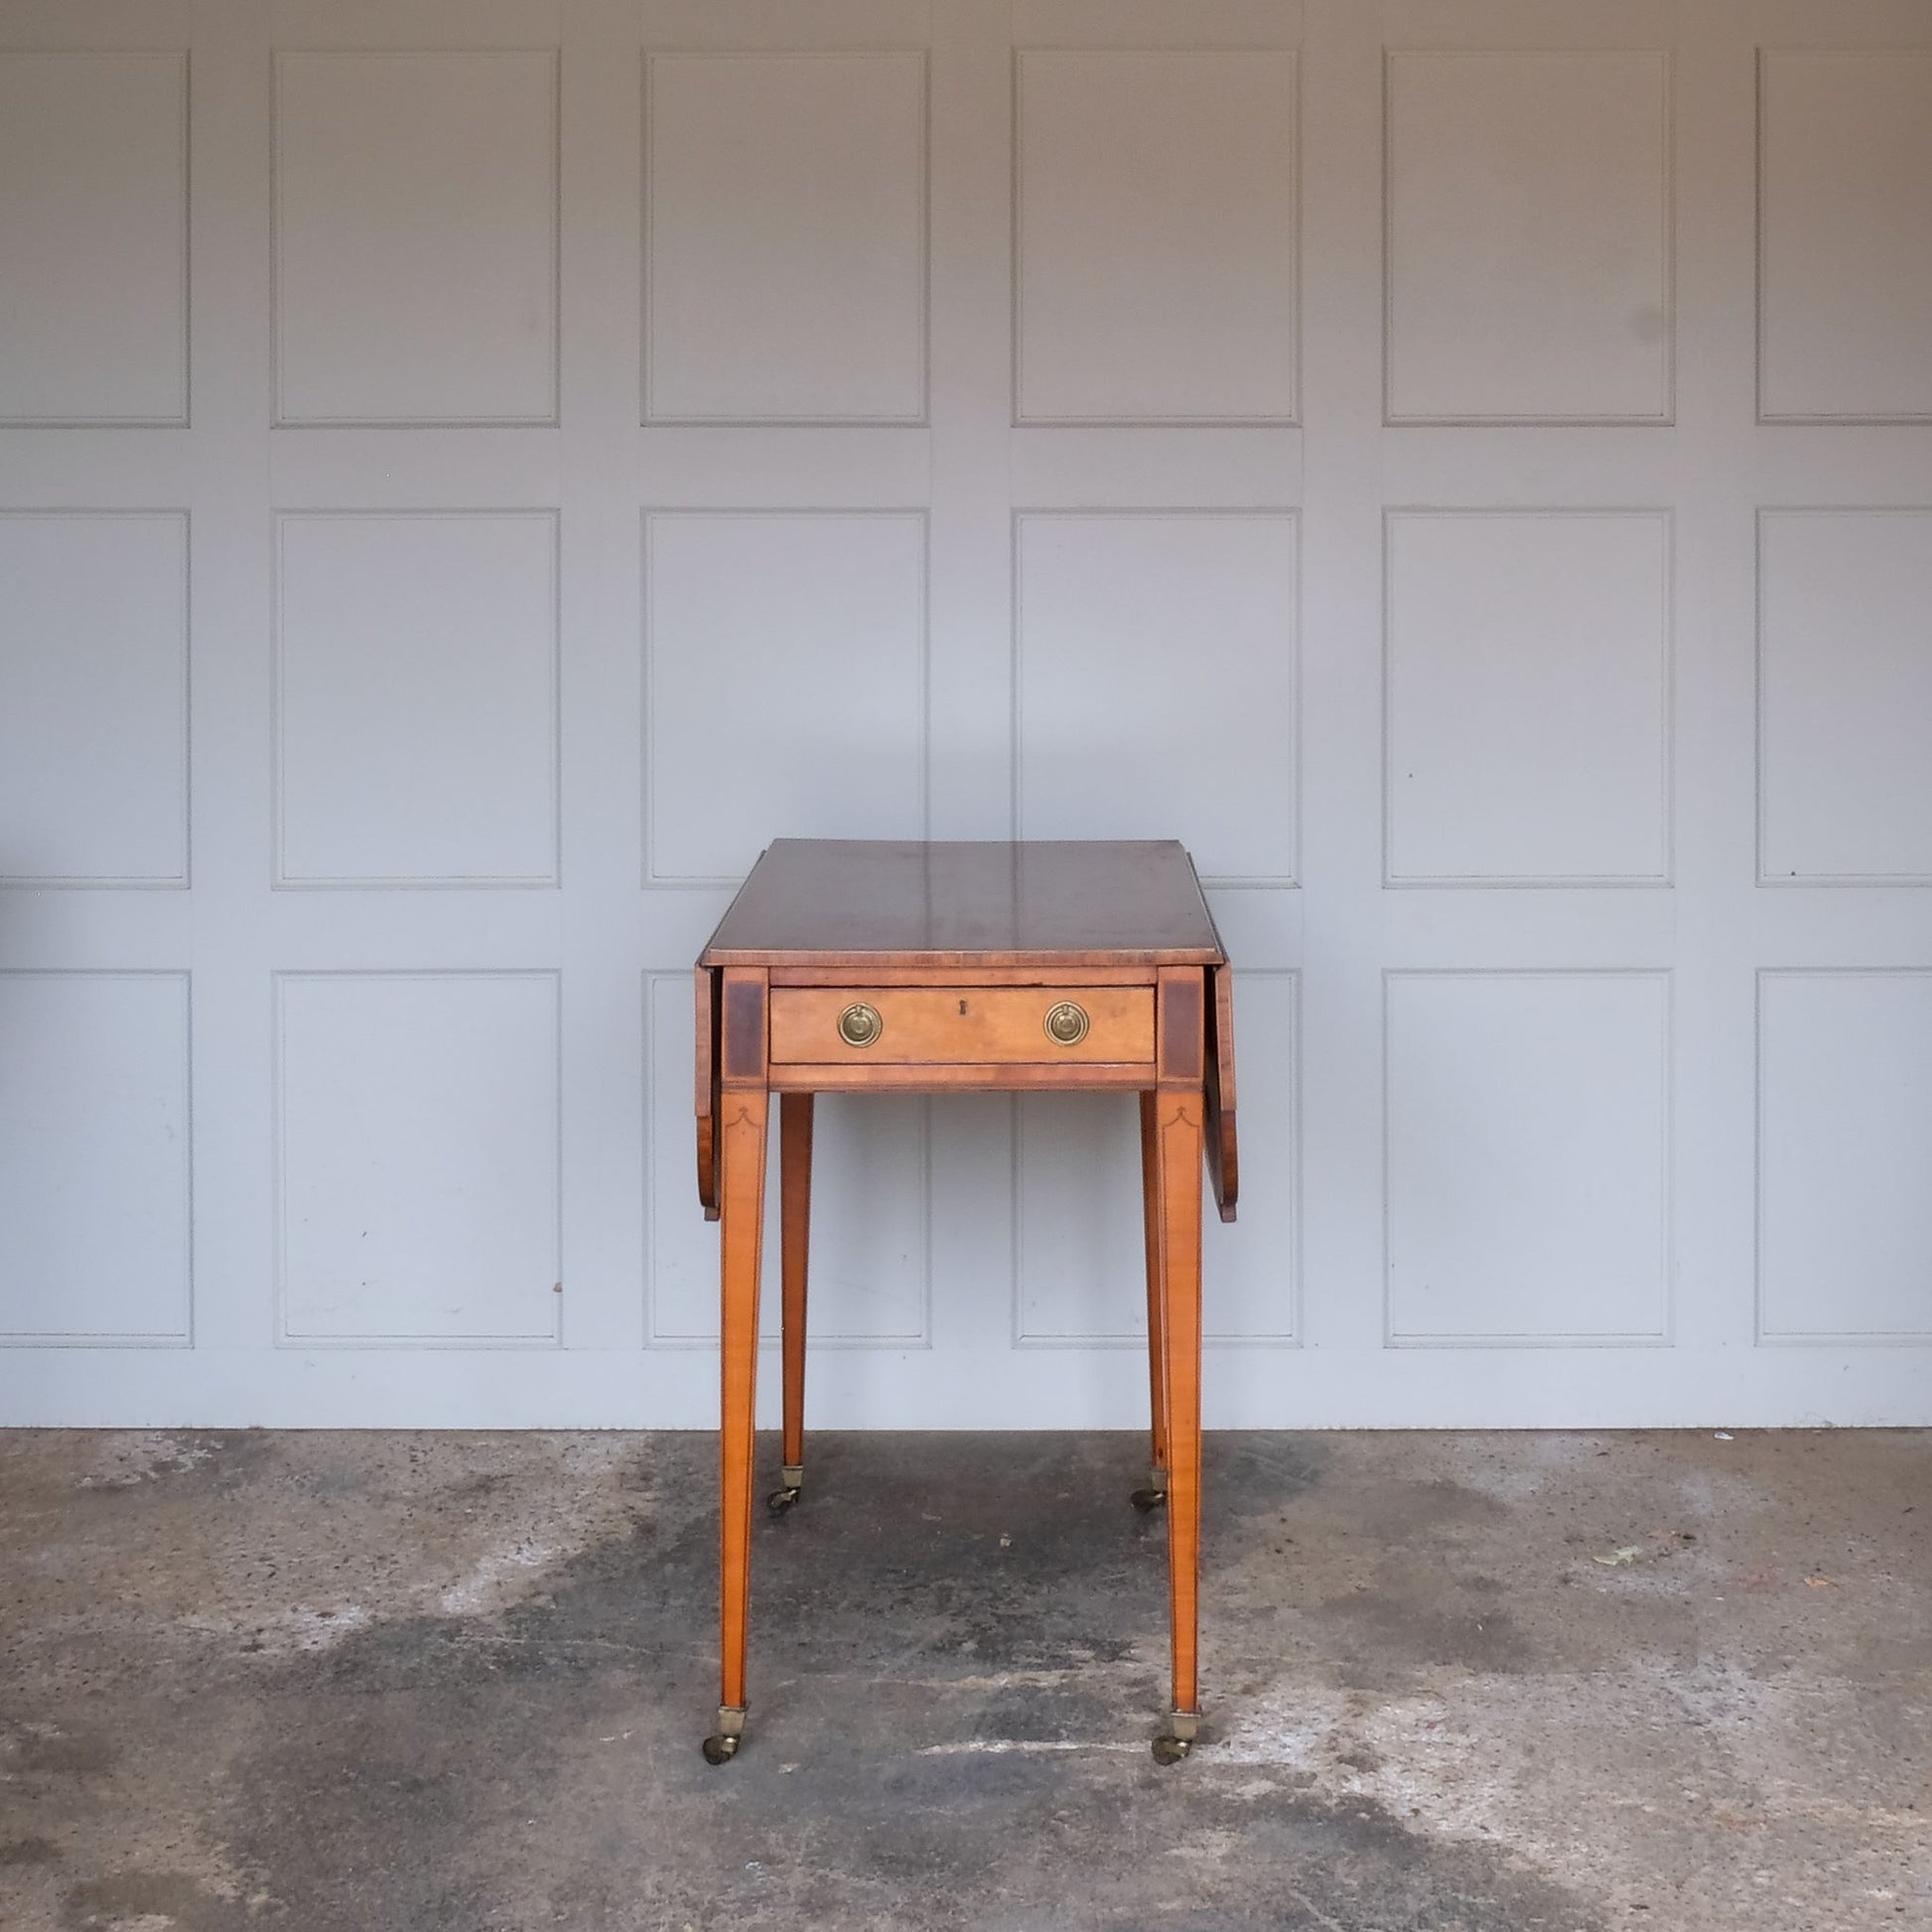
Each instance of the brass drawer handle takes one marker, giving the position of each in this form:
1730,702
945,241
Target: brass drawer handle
861,1025
1066,1023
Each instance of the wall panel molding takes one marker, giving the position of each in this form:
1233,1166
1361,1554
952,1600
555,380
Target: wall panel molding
1262,1188
1850,1205
401,762
786,308
1565,1162
670,1176
1177,283
350,304
1880,724
817,817
1586,699
38,808
1859,228
436,1195
1075,708
1515,381
101,1145
76,331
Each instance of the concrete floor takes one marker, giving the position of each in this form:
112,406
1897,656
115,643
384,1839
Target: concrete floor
389,1683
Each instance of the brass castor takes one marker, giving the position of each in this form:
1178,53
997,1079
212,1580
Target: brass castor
1153,1495
1178,1741
721,1745
792,1485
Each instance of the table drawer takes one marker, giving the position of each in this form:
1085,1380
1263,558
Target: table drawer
938,1026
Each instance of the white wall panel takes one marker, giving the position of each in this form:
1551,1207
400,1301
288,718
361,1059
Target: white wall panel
870,1270
93,699
1529,238
1116,619
1155,237
1845,237
1845,695
786,264
1844,1149
1080,1268
1528,694
1463,466
416,693
418,1183
94,1160
1528,1156
416,238
94,235
810,631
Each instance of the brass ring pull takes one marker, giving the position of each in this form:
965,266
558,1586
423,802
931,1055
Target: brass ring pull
861,1025
1066,1023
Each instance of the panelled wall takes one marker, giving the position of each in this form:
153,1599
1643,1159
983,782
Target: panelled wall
473,470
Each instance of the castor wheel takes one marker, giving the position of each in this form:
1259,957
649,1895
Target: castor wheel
721,1745
1155,1495
1178,1741
792,1485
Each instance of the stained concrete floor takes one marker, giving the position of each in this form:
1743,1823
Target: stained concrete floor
1476,1683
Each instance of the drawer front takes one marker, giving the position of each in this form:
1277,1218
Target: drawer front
938,1026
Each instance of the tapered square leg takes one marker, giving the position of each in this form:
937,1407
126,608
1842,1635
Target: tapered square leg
795,1213
1180,1115
742,1199
1179,1159
743,1114
1156,1491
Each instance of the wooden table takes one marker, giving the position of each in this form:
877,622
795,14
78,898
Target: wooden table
863,966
